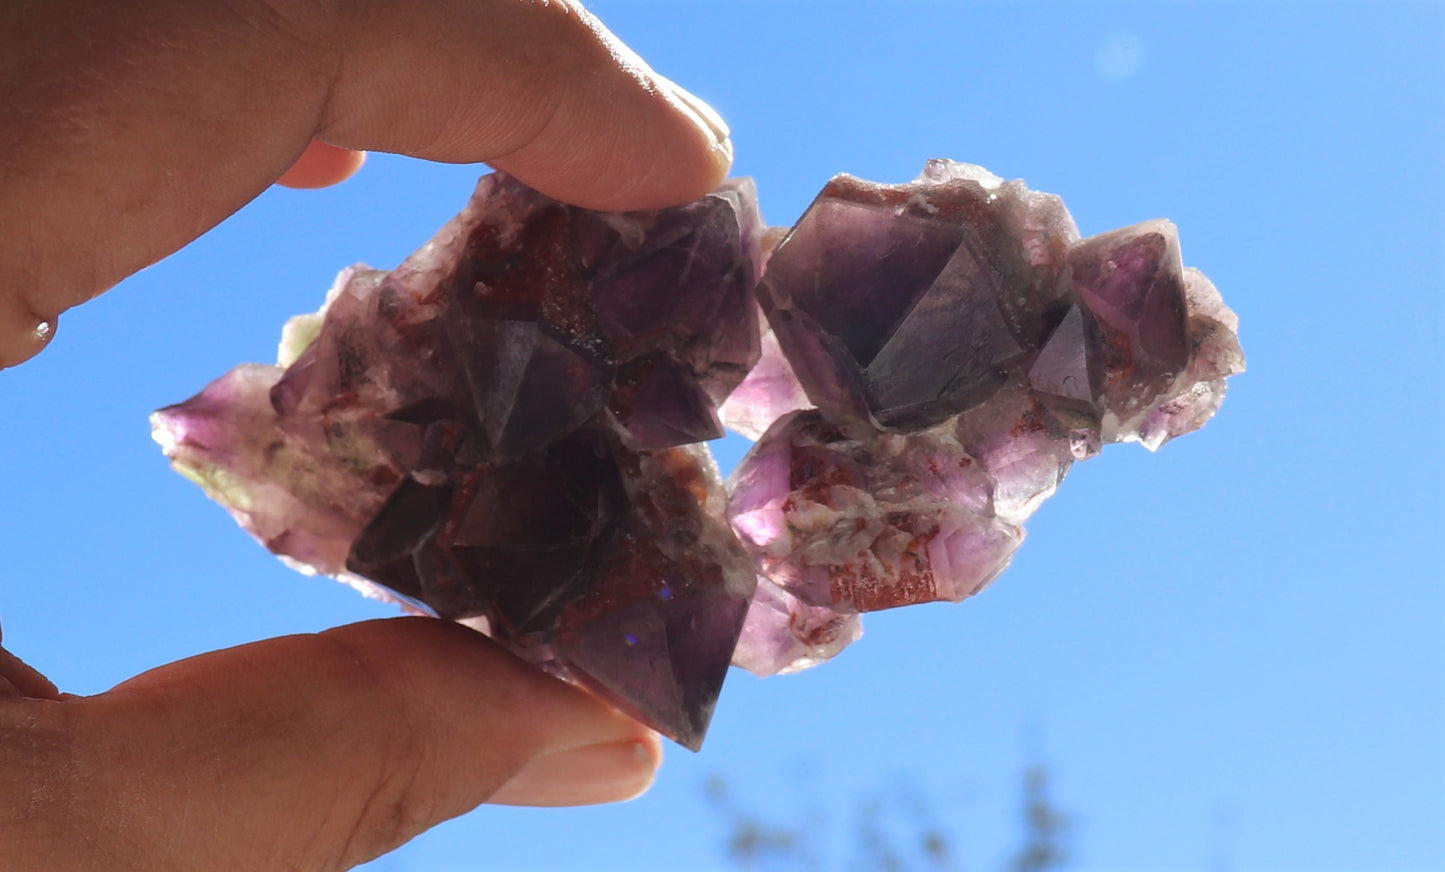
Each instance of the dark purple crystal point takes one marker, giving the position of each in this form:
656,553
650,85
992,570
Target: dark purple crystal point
485,431
957,269
504,430
1130,287
655,629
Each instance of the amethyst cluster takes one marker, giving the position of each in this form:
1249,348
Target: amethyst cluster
962,347
506,429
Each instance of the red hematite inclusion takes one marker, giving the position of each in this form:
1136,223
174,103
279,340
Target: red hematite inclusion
505,429
868,590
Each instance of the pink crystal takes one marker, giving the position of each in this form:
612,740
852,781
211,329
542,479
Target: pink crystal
861,524
782,634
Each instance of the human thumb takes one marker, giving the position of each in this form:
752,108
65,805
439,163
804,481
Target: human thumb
314,752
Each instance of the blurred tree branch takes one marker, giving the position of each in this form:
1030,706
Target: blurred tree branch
891,830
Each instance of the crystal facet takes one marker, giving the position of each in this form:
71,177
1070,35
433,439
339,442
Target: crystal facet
964,347
956,268
491,431
506,428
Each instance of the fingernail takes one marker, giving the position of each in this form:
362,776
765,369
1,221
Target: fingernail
584,776
709,117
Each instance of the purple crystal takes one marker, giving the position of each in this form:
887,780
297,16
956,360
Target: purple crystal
1024,447
769,392
503,430
1216,355
964,347
861,522
875,278
1130,287
783,634
284,487
487,432
655,629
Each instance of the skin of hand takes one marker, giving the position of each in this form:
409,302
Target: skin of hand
127,130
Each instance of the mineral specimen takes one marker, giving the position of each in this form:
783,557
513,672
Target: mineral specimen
498,429
963,348
504,429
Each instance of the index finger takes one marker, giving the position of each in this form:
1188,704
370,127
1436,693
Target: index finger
130,129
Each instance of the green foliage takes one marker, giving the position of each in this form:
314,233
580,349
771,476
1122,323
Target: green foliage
890,830
1045,827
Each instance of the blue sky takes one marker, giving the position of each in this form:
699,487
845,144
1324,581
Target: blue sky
1231,653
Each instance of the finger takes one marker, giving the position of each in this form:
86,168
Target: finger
567,107
320,752
322,165
18,678
586,776
128,129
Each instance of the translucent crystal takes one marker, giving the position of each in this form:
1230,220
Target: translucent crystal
505,429
490,432
963,348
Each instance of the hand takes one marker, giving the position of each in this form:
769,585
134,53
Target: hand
301,753
128,129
